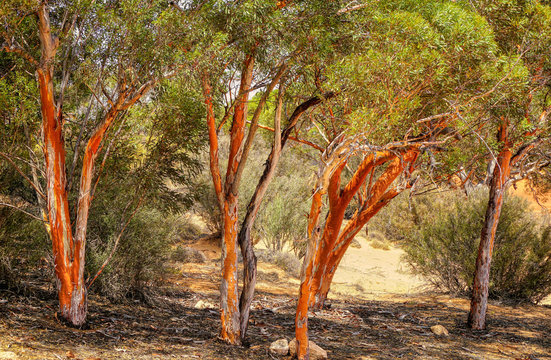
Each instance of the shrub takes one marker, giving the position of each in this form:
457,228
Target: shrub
139,262
381,245
186,254
284,260
443,247
24,245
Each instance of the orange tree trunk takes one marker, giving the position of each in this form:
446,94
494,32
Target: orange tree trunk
498,185
335,248
229,300
310,262
345,239
71,290
325,249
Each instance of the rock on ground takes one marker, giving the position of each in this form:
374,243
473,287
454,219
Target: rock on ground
316,352
439,330
279,347
203,305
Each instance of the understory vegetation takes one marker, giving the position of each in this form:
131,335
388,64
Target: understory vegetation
440,234
142,141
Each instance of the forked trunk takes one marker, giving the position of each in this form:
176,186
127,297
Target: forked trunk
334,242
345,239
70,286
498,186
229,298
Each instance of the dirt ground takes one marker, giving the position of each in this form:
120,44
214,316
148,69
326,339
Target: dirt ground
396,327
378,311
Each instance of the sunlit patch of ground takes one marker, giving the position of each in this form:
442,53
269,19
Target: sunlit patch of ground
369,273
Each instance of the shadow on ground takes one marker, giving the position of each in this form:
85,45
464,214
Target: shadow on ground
171,328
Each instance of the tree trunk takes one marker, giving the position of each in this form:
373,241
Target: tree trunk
345,239
71,293
245,243
71,290
229,299
334,243
310,262
498,186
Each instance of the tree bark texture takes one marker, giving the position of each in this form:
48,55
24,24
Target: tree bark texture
327,247
71,288
498,186
229,299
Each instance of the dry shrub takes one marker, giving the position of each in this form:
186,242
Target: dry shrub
140,260
442,246
186,254
284,260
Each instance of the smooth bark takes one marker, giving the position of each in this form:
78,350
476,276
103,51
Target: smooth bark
327,247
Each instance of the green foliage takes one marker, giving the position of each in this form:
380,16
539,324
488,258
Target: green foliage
441,244
411,62
282,218
23,248
140,260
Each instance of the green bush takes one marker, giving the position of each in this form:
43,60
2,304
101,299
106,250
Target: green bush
138,263
443,247
24,249
282,218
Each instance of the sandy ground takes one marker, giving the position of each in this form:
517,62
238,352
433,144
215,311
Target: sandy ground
370,274
540,204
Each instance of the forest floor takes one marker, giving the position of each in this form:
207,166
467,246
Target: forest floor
378,311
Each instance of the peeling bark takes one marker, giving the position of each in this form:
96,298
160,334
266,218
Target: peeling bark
71,291
326,248
229,299
498,186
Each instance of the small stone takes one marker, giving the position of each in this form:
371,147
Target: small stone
203,305
316,352
8,355
279,347
439,330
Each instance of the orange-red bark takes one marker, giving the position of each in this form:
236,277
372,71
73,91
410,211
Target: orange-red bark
326,249
229,299
339,201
